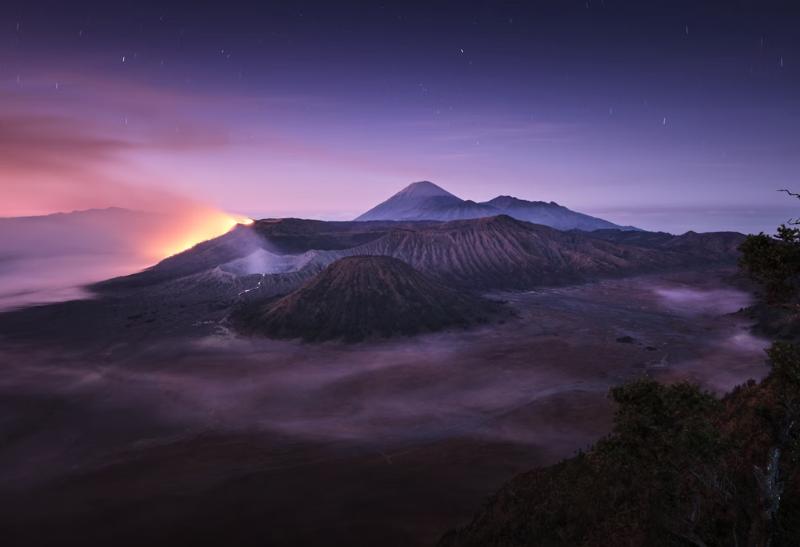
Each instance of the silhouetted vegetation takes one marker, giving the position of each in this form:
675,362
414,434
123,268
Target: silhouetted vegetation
773,261
680,467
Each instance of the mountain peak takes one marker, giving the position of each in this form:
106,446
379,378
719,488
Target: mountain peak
425,200
423,188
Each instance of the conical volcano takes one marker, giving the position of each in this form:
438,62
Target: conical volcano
360,297
426,201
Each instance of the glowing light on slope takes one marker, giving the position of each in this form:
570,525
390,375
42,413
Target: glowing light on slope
190,228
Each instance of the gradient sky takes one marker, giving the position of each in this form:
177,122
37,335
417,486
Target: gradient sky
668,115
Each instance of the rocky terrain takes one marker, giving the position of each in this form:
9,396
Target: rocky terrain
129,425
502,252
364,296
486,253
198,291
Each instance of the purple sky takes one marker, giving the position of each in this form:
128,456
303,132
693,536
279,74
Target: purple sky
676,116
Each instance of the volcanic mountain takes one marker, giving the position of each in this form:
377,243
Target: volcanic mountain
503,253
274,256
197,290
365,296
551,214
426,201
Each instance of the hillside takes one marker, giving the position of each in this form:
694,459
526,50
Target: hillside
280,237
551,214
709,246
361,297
679,468
485,253
501,252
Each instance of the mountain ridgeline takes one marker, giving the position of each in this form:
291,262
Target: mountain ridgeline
242,273
425,200
478,254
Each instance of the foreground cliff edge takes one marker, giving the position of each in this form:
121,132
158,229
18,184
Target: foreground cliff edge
680,467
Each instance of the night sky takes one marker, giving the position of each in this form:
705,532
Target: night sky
669,115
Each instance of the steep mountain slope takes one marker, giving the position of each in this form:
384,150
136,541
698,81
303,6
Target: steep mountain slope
195,290
243,248
427,201
501,252
362,296
239,242
487,253
550,214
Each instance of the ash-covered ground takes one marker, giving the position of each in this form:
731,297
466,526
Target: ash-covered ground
227,440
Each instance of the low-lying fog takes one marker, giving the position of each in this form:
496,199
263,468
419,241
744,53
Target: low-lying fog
31,280
50,258
513,396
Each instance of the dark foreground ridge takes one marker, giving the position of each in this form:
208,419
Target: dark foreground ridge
360,297
679,468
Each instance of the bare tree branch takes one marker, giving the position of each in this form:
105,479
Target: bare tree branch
793,194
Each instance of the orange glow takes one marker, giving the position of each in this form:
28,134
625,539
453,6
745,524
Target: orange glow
187,229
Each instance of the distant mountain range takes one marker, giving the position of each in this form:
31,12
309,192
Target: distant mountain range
287,277
92,231
486,253
426,201
294,278
48,258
